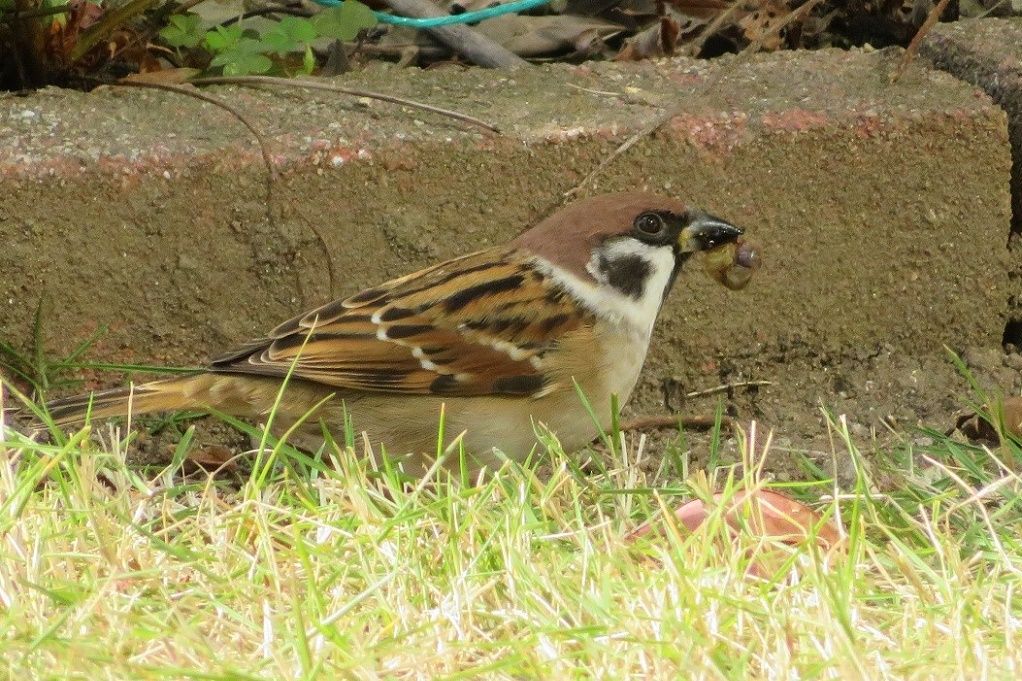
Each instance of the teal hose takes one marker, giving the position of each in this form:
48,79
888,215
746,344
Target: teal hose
465,18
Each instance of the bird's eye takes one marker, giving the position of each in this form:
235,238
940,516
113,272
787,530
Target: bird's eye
650,224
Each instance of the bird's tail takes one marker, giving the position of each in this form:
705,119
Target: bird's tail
169,394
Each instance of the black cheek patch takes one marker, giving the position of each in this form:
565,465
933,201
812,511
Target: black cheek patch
627,273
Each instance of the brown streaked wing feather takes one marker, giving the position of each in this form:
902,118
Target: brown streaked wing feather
475,325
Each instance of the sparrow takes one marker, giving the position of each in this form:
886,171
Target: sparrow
500,341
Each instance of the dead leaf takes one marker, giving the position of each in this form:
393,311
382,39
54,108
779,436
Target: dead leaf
163,76
1011,408
978,429
761,513
659,40
212,458
62,36
762,26
589,45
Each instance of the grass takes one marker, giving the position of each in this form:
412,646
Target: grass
300,570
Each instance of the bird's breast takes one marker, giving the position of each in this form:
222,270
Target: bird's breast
604,359
623,357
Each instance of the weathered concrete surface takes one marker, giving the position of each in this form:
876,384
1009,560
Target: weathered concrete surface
988,54
882,210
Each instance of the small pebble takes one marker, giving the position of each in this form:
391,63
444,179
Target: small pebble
1013,361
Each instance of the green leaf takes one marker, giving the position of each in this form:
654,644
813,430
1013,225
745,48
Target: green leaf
183,30
290,35
345,21
246,57
223,38
279,43
252,64
299,29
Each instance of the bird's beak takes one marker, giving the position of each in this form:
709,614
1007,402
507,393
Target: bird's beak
706,232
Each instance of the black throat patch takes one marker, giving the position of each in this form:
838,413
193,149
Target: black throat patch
626,273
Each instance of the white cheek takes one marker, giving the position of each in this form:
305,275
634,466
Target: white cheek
610,303
644,311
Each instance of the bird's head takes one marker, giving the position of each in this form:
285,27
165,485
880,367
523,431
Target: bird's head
630,244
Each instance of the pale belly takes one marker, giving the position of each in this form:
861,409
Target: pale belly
512,425
408,427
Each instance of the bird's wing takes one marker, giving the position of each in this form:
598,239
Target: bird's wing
476,325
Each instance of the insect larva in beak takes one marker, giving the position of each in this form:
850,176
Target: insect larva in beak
732,264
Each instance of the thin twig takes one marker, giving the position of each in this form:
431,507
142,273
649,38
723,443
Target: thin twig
215,101
726,387
623,96
697,43
271,173
304,84
331,275
307,84
991,9
657,123
676,421
913,47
